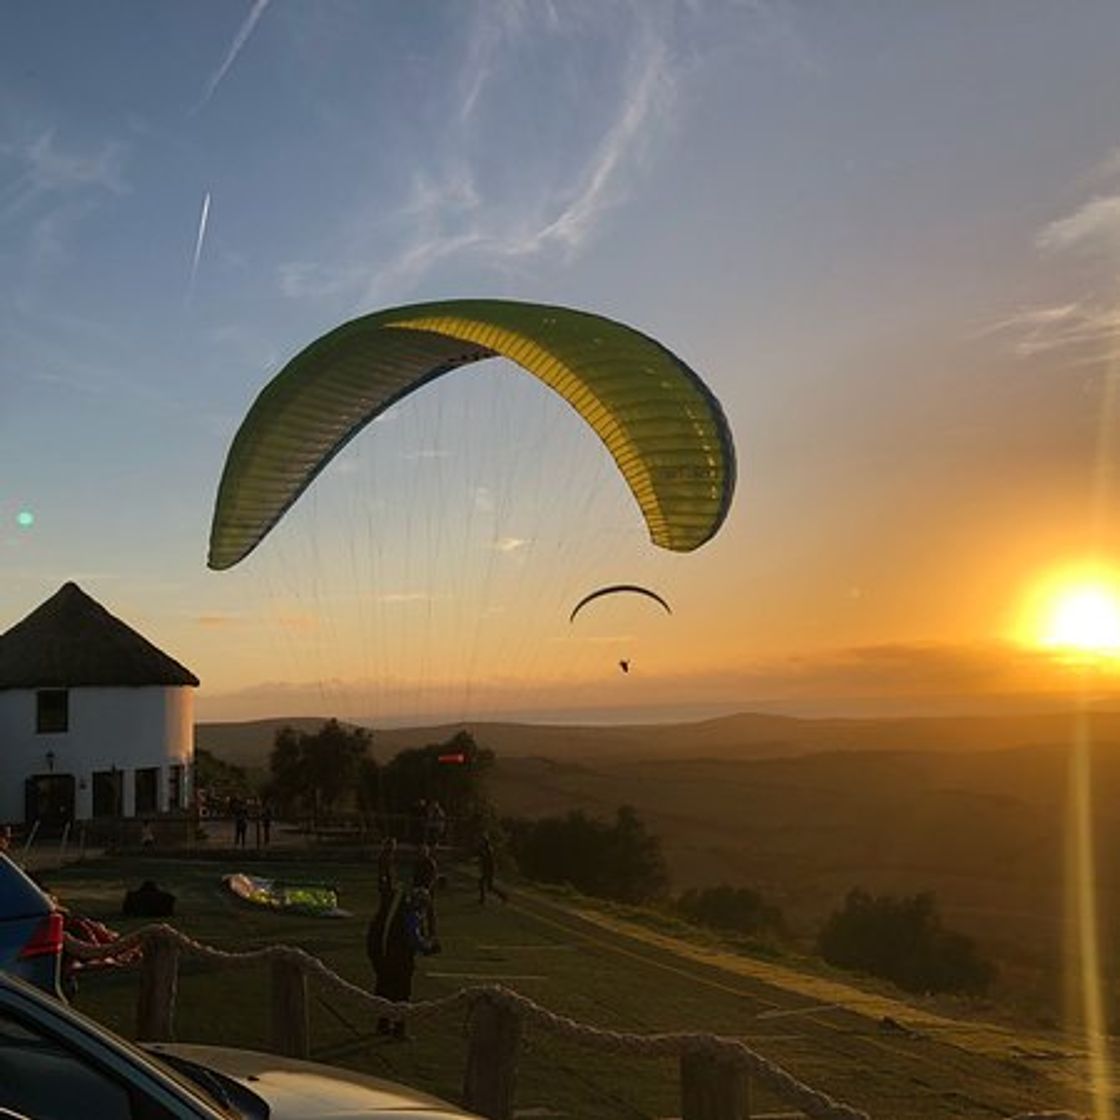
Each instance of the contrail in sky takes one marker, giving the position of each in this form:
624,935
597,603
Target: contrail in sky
202,219
239,40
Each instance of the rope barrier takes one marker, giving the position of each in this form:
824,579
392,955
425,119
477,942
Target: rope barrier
815,1104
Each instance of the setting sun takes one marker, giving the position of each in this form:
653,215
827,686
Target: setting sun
1079,613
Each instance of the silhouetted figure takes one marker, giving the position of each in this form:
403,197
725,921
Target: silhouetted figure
397,933
148,901
436,823
147,836
240,824
486,865
624,665
424,870
419,822
387,866
266,823
425,877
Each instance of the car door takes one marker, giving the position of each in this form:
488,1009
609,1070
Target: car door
57,1065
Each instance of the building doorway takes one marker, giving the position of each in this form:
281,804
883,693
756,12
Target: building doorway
49,799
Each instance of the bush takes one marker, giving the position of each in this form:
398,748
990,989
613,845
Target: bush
620,861
902,940
739,910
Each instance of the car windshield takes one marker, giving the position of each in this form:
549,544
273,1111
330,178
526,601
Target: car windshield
665,451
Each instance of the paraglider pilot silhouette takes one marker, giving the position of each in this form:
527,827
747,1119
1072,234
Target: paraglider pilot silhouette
397,933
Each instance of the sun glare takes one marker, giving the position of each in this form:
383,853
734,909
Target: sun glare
1081,616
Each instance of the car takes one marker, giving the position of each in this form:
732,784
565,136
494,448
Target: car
56,1064
30,930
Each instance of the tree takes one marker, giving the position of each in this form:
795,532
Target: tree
323,771
419,774
902,940
216,781
621,861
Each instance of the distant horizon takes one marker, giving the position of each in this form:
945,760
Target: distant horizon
867,708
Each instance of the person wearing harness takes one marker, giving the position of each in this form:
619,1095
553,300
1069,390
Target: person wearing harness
397,933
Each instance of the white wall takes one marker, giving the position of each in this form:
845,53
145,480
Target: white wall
130,728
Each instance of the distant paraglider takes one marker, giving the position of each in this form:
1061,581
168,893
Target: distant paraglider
660,422
618,589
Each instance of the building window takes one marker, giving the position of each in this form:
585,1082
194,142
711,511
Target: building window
52,711
147,790
108,793
175,787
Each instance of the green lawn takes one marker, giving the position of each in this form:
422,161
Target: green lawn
566,963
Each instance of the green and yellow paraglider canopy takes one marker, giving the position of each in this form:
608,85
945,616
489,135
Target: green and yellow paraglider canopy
664,428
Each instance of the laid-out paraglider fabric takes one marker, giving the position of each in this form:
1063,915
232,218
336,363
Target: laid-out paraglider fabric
664,428
618,589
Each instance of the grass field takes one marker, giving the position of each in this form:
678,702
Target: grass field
582,962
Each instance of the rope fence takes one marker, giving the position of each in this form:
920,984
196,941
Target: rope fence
496,1014
715,1070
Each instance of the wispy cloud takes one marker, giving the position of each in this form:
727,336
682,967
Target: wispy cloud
1086,324
510,544
235,48
396,597
451,219
552,197
651,86
1039,330
1095,225
495,26
45,169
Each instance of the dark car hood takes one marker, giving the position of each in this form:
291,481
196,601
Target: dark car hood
296,1090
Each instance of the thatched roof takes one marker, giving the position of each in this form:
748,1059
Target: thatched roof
72,641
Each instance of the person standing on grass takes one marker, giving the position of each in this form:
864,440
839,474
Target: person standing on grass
240,824
397,933
486,864
425,870
387,867
266,823
425,873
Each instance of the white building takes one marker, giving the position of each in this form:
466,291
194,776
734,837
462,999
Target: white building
95,721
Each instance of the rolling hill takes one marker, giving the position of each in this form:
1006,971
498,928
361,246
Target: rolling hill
736,737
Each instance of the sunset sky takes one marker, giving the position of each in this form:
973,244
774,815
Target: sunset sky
886,235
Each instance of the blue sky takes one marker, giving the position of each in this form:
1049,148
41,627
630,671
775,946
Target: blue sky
884,234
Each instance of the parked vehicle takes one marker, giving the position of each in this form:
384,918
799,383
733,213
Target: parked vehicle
56,1064
30,930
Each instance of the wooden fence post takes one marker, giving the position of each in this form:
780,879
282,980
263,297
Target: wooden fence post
713,1088
495,1035
159,980
291,1033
